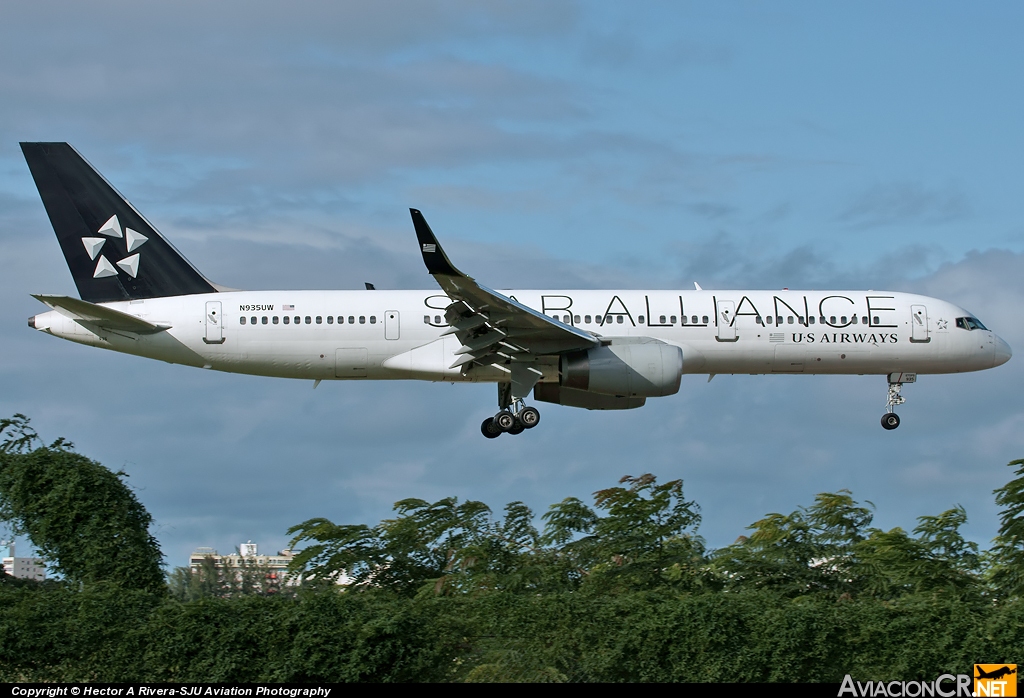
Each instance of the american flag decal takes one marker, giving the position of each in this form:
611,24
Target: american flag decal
287,307
429,247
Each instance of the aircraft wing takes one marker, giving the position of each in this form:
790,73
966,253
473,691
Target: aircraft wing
493,329
100,316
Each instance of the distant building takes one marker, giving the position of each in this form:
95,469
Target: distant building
248,556
24,567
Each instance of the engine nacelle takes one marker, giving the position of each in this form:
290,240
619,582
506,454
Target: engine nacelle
633,369
553,392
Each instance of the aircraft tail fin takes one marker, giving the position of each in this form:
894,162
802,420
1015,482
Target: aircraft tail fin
113,252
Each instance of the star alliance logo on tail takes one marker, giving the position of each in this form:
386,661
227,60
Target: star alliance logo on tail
133,241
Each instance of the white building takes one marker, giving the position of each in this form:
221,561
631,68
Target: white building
247,556
24,567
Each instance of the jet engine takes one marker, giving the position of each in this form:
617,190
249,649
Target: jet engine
648,369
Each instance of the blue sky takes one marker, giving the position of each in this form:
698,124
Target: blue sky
550,144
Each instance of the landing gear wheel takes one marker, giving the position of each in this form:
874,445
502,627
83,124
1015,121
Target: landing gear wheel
517,428
890,421
504,420
529,417
489,429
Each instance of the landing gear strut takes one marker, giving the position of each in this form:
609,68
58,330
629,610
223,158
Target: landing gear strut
515,418
891,420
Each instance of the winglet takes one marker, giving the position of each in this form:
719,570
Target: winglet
433,256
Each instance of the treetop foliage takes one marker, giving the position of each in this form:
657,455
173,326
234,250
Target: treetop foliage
620,588
82,518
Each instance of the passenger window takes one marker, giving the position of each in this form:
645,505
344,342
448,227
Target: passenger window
252,320
854,319
672,319
576,319
683,319
373,319
810,319
618,319
426,319
864,319
843,319
341,319
242,319
757,319
362,319
822,319
274,319
831,319
264,319
704,319
319,320
640,319
437,319
298,320
597,319
352,319
586,319
309,320
330,319
565,319
286,319
876,320
662,319
695,319
800,319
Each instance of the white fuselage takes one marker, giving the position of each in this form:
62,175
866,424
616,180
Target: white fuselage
327,335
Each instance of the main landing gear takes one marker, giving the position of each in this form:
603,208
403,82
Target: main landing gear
891,420
515,419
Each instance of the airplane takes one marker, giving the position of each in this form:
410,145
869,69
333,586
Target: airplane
592,349
999,673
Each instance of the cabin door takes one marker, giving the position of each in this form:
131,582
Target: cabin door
918,323
726,321
391,324
214,323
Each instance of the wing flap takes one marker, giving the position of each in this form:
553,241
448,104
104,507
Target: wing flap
99,315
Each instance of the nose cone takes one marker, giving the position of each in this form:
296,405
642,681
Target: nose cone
1002,352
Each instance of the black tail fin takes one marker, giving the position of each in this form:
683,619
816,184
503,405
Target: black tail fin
113,252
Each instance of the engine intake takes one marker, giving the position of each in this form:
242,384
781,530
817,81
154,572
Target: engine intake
647,369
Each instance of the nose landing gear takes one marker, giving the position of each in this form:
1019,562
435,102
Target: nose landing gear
891,420
514,420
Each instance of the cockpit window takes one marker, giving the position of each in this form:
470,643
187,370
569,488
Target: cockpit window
969,323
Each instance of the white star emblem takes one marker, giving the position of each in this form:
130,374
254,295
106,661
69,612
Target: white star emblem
133,241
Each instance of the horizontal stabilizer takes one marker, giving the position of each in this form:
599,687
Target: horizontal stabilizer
99,315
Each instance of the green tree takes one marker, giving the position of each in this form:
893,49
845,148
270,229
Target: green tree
424,543
830,548
648,535
81,517
1007,555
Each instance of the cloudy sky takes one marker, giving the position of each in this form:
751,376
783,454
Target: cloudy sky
550,144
